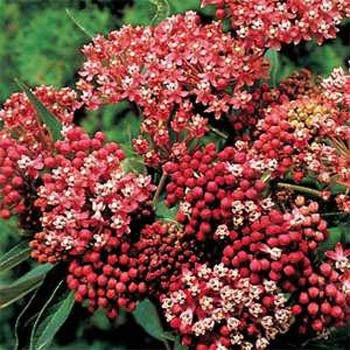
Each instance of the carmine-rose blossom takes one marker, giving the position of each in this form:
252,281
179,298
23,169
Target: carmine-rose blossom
20,118
24,140
215,308
169,71
87,201
270,23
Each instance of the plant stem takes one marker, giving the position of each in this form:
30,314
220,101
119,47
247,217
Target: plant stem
301,189
218,132
159,188
77,23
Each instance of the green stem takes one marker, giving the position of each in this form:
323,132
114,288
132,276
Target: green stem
301,189
218,132
159,188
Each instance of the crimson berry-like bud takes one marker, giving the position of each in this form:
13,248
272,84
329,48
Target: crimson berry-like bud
255,265
326,308
297,309
317,325
336,312
331,290
313,292
304,298
312,308
325,269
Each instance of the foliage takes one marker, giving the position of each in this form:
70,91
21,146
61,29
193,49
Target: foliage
26,46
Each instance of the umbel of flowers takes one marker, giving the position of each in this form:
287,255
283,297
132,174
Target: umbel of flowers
170,71
270,23
240,263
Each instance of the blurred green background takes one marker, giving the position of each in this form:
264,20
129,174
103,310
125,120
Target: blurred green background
40,44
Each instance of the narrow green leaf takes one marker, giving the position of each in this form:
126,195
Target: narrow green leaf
19,318
78,24
53,124
100,320
38,319
147,317
14,256
27,283
54,322
273,57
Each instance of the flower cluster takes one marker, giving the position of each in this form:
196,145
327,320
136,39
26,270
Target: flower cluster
87,200
308,135
21,119
337,87
23,142
270,23
296,85
167,70
216,308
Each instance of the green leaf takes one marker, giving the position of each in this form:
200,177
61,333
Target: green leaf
335,235
14,256
100,320
20,288
54,322
165,213
41,312
178,345
273,57
345,228
213,137
53,124
147,317
134,164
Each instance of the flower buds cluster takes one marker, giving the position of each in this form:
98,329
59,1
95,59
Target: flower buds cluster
107,280
163,251
216,308
12,183
217,191
278,246
323,297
